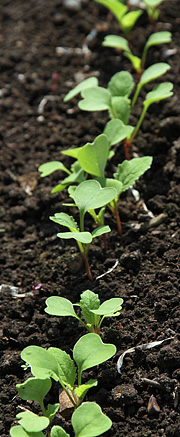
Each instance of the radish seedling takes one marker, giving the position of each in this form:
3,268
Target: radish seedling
121,43
91,311
115,99
125,19
88,195
153,10
55,363
88,420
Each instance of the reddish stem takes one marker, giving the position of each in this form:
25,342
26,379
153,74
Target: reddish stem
118,220
88,271
127,144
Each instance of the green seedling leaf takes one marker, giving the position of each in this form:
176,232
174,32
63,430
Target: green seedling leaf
128,20
64,219
117,42
82,389
34,389
160,92
51,411
95,99
113,183
152,3
135,61
93,156
50,167
117,8
116,131
77,176
89,301
87,83
90,351
31,422
121,84
19,431
89,421
153,72
109,307
59,306
53,363
129,171
120,108
90,195
82,237
159,38
57,431
100,231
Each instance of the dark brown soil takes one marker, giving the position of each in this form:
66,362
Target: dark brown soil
147,275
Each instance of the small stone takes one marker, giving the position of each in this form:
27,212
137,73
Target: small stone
72,5
153,407
131,261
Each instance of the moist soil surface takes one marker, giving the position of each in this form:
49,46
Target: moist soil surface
146,274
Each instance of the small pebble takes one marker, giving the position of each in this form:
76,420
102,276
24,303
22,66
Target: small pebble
72,5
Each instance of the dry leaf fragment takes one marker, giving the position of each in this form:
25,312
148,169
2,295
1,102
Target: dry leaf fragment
153,407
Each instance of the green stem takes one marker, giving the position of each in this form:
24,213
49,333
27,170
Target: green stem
138,89
143,59
135,131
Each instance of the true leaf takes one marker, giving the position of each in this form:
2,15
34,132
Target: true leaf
95,99
64,219
89,421
116,131
82,389
34,389
109,307
51,411
50,167
32,422
117,42
19,431
87,83
59,306
121,84
129,171
90,351
57,431
89,301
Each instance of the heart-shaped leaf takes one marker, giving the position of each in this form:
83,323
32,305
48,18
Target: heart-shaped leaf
93,156
89,421
153,72
116,131
95,99
31,422
109,307
129,171
50,167
19,431
160,92
100,231
117,42
121,84
59,306
87,83
34,389
90,351
82,237
90,195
